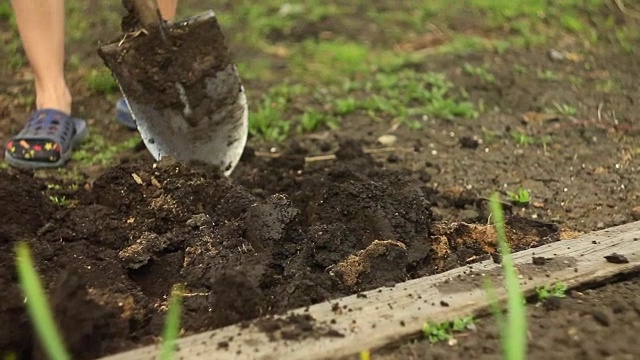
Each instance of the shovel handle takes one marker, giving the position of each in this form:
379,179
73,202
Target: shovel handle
148,13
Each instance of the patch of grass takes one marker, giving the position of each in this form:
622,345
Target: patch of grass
523,139
548,75
445,330
521,197
60,201
556,290
407,96
172,324
97,150
312,120
37,305
270,120
329,61
479,71
565,109
607,86
513,329
101,81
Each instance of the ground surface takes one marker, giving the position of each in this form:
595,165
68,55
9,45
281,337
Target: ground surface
451,104
576,327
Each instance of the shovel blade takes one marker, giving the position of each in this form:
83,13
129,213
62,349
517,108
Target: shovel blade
183,91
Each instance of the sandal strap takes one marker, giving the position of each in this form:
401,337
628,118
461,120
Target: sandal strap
48,124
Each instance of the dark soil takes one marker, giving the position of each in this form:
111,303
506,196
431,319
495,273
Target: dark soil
282,236
149,65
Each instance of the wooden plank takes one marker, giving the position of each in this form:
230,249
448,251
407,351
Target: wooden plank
383,316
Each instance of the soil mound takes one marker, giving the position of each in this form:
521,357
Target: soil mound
279,234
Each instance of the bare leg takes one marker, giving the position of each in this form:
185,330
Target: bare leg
167,9
41,27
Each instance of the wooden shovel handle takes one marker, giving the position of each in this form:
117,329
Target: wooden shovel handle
148,13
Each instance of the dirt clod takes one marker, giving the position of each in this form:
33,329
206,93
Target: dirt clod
617,259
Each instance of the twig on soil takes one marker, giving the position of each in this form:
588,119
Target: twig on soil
333,156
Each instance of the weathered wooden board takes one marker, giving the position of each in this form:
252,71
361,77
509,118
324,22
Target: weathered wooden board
382,316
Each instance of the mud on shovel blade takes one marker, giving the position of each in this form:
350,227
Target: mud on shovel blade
182,88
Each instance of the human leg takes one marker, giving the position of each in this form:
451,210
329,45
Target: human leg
41,27
50,133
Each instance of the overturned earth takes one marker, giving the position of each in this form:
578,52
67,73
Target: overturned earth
281,233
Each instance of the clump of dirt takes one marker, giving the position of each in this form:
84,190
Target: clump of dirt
280,234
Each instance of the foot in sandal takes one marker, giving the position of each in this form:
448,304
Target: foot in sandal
46,141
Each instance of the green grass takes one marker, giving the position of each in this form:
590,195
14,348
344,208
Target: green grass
520,197
37,305
556,290
481,72
444,331
172,324
60,201
513,329
101,81
97,150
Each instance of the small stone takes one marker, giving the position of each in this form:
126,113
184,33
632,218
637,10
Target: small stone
393,158
617,259
556,55
468,142
635,213
387,139
198,220
444,303
539,260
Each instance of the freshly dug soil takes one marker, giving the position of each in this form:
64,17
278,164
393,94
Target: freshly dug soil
285,235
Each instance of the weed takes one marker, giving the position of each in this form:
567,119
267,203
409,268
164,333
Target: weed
97,150
311,120
445,330
268,121
557,290
37,305
172,324
548,75
607,85
523,139
481,72
60,201
520,198
513,330
565,109
101,81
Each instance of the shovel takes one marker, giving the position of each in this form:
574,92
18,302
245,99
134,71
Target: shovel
181,87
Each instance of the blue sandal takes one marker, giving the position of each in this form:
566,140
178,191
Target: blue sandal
47,141
123,115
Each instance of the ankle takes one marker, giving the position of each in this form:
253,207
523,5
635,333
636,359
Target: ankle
53,97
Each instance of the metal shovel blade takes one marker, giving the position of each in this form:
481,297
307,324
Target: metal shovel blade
183,91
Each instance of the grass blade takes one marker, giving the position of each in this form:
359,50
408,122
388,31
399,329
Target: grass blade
172,324
515,330
37,305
